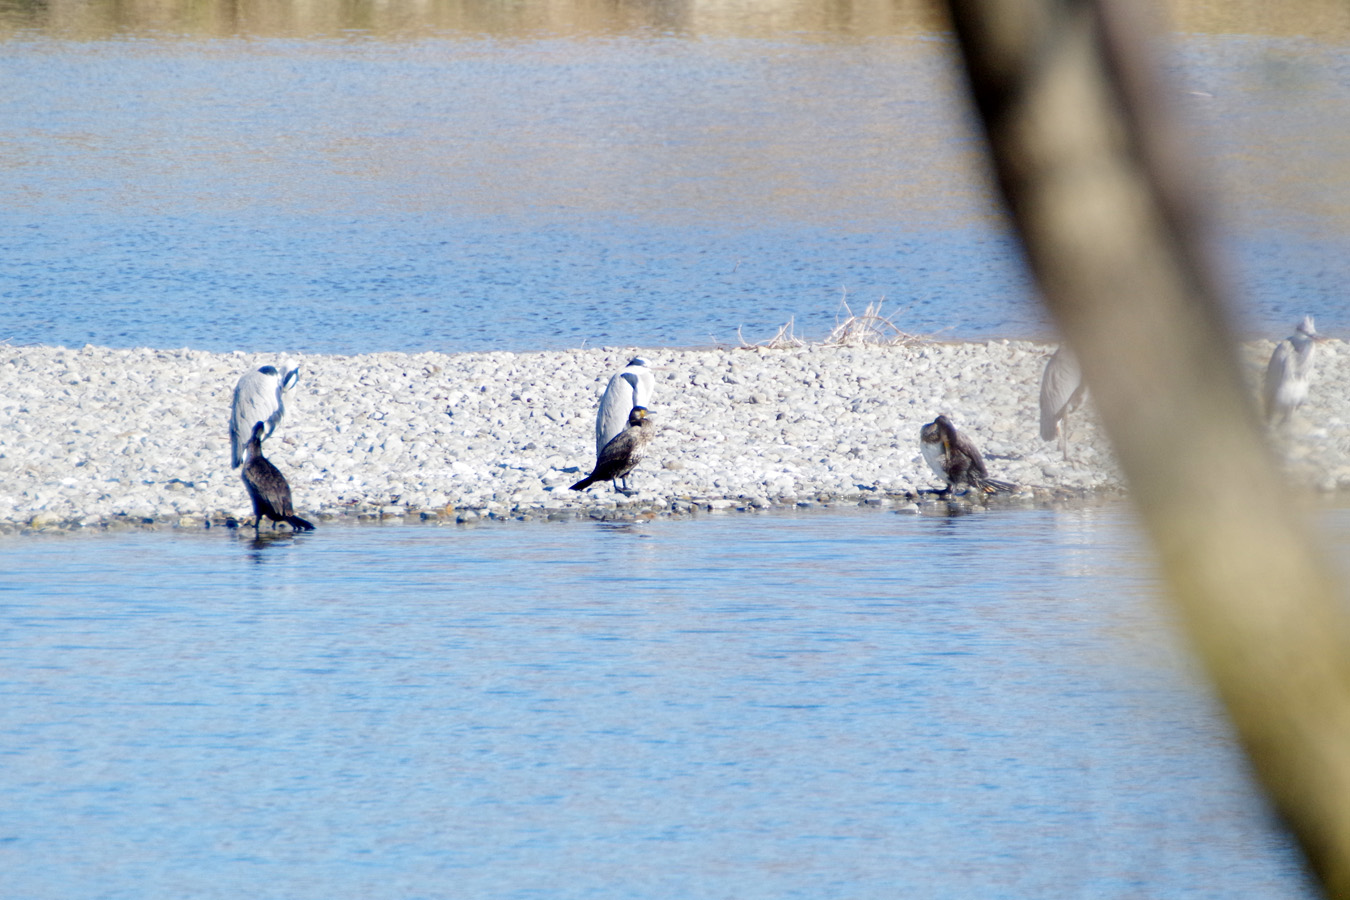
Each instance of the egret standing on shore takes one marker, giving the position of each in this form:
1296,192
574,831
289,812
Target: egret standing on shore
257,398
953,458
631,386
1062,391
621,455
267,487
1289,372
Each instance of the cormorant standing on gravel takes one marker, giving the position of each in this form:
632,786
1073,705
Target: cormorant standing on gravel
954,458
267,487
622,454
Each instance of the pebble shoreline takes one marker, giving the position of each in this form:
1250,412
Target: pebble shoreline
104,438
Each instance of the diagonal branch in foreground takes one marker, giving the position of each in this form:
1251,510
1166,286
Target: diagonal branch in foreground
1103,194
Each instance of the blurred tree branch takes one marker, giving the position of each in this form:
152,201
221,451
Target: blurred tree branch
1103,194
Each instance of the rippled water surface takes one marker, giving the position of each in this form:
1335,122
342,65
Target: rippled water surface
538,176
826,704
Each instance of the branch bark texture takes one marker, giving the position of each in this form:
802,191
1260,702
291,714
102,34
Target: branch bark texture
1103,194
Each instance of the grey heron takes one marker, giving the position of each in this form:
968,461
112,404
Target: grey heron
622,454
267,487
629,387
1062,391
257,398
1289,371
953,458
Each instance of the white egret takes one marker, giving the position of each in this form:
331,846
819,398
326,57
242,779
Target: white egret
257,398
629,387
267,487
622,454
1289,372
953,458
1062,391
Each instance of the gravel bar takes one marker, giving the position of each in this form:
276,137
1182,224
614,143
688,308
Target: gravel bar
106,438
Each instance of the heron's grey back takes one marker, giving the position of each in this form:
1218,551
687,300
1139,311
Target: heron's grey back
1060,384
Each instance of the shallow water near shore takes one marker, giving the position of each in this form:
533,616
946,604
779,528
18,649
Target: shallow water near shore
827,703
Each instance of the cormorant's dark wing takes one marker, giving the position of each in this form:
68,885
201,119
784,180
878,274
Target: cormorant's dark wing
967,456
619,456
267,480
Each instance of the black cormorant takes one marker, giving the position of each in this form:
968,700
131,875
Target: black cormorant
267,487
954,458
622,454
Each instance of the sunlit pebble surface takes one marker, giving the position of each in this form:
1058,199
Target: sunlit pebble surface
98,437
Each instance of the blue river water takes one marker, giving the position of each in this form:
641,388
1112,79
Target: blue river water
818,704
464,193
830,703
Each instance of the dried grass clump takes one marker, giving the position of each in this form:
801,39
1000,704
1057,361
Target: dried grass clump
785,339
871,327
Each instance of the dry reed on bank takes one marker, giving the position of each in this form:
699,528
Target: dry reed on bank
871,327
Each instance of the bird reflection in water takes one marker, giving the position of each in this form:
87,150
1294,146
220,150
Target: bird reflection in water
260,542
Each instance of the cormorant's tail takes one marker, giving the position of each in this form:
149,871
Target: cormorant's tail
299,524
992,486
583,483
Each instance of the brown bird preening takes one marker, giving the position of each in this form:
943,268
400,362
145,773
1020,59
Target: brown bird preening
267,487
954,458
622,454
